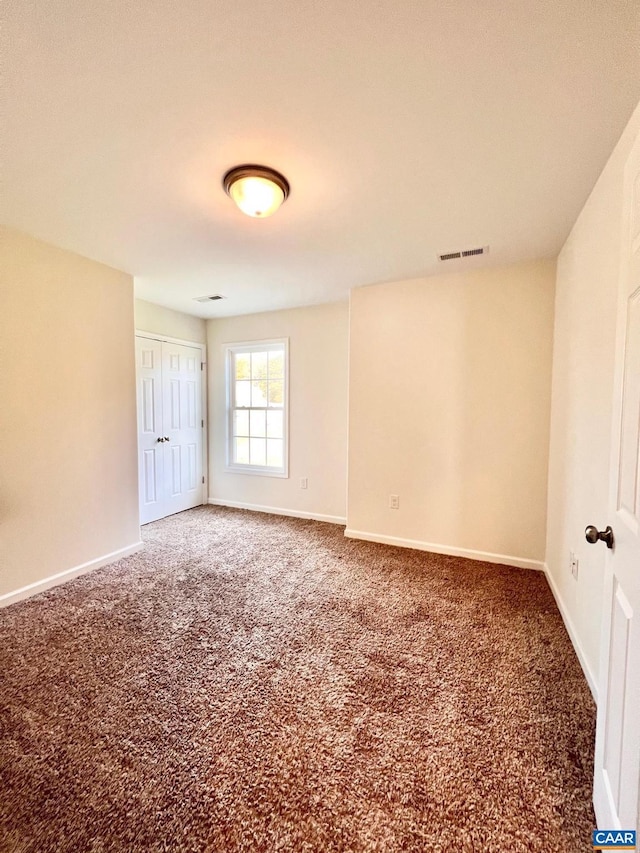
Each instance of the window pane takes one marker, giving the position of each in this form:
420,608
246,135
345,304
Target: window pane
241,423
258,451
243,365
243,394
241,451
276,364
276,389
258,424
275,421
259,393
275,452
258,365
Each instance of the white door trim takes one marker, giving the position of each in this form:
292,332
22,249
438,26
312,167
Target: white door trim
168,340
203,375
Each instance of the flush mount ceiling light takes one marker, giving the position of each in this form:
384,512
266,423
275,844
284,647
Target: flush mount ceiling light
257,190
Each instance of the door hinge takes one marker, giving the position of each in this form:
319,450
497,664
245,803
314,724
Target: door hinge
202,365
202,424
203,479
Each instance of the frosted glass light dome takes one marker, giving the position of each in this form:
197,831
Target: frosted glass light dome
257,190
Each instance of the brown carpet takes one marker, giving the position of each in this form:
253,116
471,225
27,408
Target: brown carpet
257,683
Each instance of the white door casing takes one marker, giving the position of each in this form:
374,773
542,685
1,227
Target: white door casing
170,427
617,759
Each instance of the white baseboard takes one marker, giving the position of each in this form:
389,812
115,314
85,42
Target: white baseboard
275,510
61,577
573,635
449,550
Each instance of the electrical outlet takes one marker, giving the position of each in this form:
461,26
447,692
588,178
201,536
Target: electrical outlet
304,483
573,564
394,502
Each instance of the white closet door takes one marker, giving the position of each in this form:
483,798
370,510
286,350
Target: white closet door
617,761
150,448
170,434
182,427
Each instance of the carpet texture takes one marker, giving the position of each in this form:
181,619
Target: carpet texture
257,683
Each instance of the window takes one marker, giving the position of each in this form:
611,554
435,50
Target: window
257,407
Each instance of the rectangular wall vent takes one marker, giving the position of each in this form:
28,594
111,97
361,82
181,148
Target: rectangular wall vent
463,253
213,298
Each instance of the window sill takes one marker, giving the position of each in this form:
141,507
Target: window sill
259,472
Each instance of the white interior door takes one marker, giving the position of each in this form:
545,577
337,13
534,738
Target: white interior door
170,428
182,427
617,760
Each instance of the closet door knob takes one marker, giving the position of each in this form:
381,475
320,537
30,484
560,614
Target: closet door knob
166,438
159,439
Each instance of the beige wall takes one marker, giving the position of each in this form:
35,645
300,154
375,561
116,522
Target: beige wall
583,369
449,410
169,324
68,488
318,355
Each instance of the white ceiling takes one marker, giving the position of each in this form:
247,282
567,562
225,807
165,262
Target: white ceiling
405,127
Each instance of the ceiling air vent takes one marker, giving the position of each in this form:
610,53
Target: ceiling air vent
213,298
463,253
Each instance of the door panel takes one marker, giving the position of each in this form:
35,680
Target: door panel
192,453
192,408
617,761
176,470
174,404
630,428
150,479
618,672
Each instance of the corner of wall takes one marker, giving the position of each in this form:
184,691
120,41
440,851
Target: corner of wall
589,673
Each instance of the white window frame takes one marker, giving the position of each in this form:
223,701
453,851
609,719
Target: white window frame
255,346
